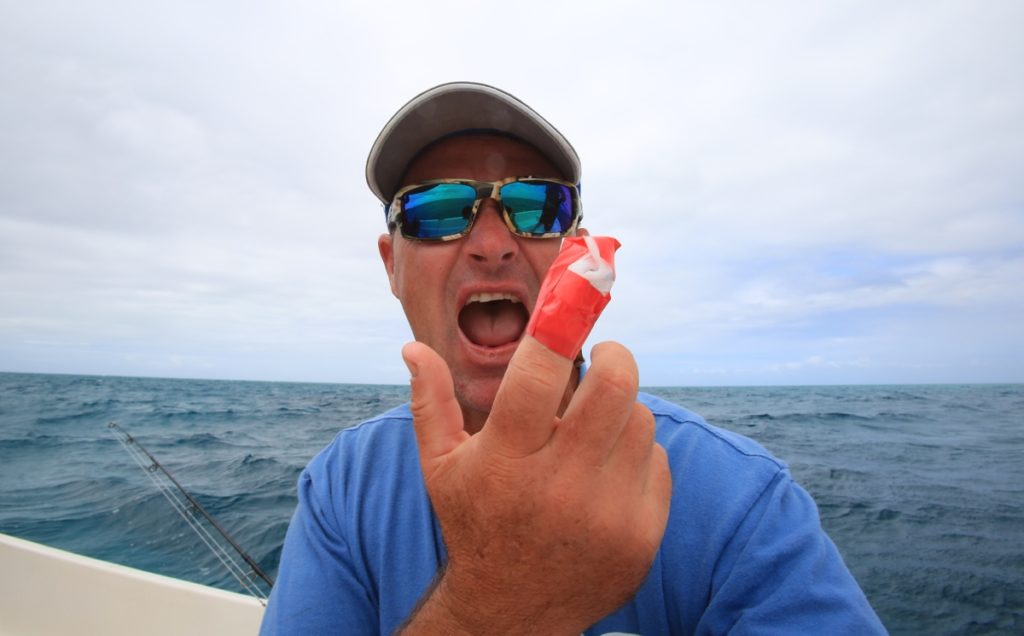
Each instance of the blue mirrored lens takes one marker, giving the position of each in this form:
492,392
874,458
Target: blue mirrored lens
538,208
438,210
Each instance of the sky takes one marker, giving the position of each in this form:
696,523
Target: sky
805,192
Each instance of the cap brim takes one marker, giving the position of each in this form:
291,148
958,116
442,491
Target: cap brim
456,107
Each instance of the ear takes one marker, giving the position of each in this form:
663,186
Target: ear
386,247
582,231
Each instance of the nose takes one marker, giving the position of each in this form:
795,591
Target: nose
490,242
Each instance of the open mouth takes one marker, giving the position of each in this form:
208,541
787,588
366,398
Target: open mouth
493,319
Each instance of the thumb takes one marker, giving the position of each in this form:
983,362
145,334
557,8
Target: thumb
436,415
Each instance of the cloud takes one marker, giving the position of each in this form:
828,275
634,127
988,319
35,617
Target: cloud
804,192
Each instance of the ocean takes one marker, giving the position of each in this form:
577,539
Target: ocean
920,487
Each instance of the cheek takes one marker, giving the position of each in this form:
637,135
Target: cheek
540,254
419,279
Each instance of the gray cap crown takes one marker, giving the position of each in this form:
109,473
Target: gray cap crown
455,107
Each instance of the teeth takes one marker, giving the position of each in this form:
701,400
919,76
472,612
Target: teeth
488,297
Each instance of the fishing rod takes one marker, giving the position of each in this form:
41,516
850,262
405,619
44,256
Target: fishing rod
186,505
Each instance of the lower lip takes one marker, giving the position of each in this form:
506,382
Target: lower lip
489,356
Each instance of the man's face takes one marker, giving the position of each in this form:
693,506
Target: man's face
469,299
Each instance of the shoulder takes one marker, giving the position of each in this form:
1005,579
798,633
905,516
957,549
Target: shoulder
383,424
391,429
725,476
374,457
739,528
680,430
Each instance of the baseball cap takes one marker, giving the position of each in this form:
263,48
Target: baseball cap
456,107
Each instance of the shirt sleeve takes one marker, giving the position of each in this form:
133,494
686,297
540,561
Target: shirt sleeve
781,574
319,587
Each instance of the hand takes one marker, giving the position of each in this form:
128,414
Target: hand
550,523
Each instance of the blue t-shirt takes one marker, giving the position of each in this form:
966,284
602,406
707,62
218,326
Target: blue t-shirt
743,553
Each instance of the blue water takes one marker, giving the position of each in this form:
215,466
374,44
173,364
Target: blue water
921,487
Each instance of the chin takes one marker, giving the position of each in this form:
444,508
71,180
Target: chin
477,394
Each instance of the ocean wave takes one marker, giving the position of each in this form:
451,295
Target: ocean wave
31,442
298,410
70,418
201,441
924,498
104,403
252,461
809,418
846,474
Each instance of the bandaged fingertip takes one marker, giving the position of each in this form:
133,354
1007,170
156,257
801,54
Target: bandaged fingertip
574,293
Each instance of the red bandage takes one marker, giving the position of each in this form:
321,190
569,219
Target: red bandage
575,291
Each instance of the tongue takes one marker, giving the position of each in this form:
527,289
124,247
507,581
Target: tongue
493,324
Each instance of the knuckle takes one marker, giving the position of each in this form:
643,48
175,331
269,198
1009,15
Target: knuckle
419,407
528,381
643,422
661,473
534,373
619,380
420,418
637,436
660,457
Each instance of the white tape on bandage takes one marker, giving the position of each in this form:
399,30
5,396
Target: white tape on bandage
594,269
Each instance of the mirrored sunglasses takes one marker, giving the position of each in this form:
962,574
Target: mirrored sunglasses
445,209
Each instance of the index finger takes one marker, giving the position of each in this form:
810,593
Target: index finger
522,417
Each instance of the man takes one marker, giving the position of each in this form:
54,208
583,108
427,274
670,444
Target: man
519,491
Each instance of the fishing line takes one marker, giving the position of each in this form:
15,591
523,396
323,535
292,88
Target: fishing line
186,506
